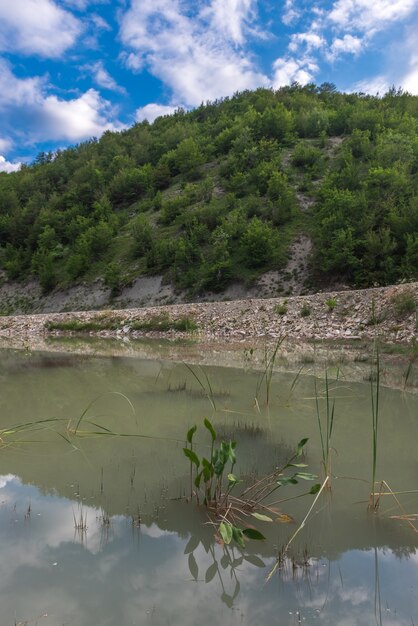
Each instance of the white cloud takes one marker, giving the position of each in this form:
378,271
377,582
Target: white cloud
99,22
14,91
311,40
288,70
370,17
76,119
7,166
5,144
291,14
408,79
44,116
81,5
373,85
196,58
37,27
151,111
103,78
132,61
345,45
231,17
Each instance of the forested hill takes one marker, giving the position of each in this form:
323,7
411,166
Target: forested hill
219,194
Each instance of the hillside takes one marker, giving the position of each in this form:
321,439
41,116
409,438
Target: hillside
266,193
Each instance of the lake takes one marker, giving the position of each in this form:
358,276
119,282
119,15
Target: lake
95,522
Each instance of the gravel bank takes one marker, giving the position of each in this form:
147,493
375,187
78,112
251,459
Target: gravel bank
333,315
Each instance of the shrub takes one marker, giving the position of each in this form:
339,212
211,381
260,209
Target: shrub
306,310
258,243
331,303
404,303
281,309
305,155
162,323
113,279
142,234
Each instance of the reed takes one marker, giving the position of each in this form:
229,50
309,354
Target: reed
267,373
325,423
204,383
375,401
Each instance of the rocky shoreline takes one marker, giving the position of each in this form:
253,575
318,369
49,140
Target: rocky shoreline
390,312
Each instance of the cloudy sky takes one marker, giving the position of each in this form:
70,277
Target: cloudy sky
71,69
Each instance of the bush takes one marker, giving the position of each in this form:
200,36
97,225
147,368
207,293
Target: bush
305,155
306,310
162,323
258,243
331,303
130,184
404,304
143,235
112,279
281,309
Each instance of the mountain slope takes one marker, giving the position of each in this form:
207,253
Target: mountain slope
276,191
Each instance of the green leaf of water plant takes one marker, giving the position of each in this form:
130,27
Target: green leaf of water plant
252,533
226,533
254,560
261,517
231,452
287,480
198,479
233,480
238,536
192,456
297,465
193,568
305,476
207,470
190,433
302,443
211,572
315,489
220,458
210,428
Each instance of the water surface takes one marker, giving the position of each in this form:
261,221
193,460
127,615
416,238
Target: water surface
146,556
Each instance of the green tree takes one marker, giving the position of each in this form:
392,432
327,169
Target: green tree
257,243
143,235
282,197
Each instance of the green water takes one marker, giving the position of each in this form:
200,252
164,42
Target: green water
148,557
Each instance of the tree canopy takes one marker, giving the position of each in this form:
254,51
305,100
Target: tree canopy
210,196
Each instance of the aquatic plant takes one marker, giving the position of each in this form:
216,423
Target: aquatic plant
212,483
413,357
204,382
375,397
80,521
267,374
326,423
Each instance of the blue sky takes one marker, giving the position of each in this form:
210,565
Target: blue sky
71,69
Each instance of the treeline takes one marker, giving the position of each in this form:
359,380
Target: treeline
210,196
